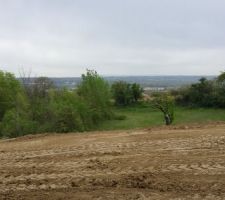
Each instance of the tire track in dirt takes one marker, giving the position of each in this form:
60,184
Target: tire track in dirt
163,162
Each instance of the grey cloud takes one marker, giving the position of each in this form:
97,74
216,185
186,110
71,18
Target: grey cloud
129,37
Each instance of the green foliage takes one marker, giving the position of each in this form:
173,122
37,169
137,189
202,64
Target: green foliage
37,106
41,107
119,117
201,93
221,78
165,104
38,96
121,93
70,113
137,91
205,93
219,90
95,92
16,120
16,124
125,94
9,89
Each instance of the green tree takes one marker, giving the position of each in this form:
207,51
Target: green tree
201,94
9,89
15,120
122,93
137,91
221,78
165,104
125,93
70,113
38,95
95,92
219,90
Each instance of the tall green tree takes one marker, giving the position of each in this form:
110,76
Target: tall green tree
95,92
10,88
14,107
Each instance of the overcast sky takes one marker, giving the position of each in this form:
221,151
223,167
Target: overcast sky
114,37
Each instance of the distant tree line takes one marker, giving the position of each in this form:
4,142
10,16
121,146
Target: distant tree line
205,93
36,105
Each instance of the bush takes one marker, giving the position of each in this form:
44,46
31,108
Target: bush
69,112
205,93
125,94
16,124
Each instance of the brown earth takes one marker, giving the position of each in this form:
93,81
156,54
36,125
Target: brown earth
175,163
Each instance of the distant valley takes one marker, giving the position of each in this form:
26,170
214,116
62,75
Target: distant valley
147,82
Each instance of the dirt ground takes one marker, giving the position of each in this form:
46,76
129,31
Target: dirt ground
161,163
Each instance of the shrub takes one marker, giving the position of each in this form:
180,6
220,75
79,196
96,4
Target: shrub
205,93
69,112
125,94
16,123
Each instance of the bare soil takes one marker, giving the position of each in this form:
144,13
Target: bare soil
161,163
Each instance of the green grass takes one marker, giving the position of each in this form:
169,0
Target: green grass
198,115
144,116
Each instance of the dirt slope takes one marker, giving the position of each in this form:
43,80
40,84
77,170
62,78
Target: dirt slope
175,163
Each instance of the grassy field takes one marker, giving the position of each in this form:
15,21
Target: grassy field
144,116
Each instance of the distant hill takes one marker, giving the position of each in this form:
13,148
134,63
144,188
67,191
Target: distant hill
144,81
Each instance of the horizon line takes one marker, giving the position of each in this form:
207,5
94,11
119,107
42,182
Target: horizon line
123,76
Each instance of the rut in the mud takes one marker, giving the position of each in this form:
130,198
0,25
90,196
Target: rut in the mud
154,164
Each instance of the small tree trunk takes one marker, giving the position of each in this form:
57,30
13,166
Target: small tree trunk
167,119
